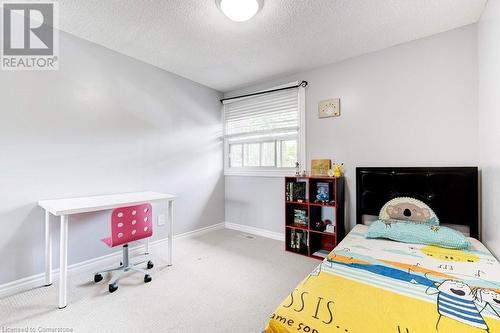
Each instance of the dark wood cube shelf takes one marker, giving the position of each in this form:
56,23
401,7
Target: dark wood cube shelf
310,204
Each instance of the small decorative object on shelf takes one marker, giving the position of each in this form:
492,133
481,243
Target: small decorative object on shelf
320,167
315,224
304,173
322,225
297,169
330,173
337,169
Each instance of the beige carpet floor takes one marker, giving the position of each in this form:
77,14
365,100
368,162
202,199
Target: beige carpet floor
220,282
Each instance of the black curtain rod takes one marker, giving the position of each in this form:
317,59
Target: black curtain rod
301,84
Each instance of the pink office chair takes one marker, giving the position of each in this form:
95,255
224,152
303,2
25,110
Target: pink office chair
128,224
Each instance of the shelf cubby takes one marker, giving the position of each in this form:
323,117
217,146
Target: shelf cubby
297,240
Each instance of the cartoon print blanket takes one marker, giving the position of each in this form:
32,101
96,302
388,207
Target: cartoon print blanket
374,285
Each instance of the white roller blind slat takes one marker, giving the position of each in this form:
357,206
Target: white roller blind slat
265,113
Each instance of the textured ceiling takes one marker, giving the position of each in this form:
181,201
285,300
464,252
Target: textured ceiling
192,38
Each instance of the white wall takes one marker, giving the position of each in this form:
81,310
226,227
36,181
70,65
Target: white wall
410,105
104,123
489,122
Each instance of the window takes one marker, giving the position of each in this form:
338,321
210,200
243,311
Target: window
263,134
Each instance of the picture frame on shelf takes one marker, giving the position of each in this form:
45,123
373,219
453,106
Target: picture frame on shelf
320,167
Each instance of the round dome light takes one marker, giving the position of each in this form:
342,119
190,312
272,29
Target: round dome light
239,10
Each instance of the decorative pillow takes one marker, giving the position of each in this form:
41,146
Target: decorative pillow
418,233
408,209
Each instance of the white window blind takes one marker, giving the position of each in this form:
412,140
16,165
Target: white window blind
263,115
262,133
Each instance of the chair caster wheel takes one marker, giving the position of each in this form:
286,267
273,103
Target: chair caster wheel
150,264
113,287
97,278
147,278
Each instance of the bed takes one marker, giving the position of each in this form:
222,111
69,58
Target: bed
377,285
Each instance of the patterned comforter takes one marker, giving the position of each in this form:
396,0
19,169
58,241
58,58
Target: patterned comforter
374,285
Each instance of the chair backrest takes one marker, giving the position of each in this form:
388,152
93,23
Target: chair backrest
132,223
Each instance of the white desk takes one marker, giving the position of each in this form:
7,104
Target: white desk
66,207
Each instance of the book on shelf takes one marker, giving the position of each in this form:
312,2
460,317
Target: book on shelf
300,217
298,239
323,192
296,191
321,253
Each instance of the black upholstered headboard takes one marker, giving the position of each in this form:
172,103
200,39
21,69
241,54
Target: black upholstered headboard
452,192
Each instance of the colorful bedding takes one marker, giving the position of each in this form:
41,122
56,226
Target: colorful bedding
374,285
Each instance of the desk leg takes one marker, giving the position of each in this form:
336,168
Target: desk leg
48,250
170,230
63,262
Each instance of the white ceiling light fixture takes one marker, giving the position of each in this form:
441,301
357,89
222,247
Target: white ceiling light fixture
240,10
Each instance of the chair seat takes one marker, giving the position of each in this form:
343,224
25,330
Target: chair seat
107,241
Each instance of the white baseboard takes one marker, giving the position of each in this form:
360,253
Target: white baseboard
92,265
200,231
256,231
